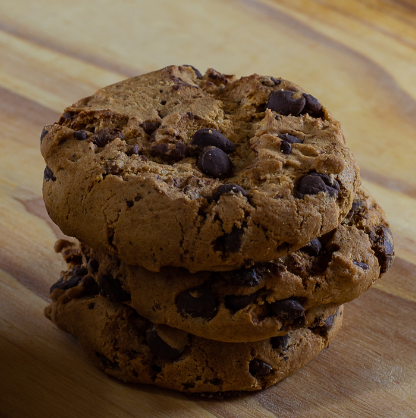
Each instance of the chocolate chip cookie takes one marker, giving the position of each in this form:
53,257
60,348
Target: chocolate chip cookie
129,347
205,172
268,299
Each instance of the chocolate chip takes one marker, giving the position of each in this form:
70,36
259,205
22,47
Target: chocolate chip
288,310
289,138
364,266
149,127
112,289
197,72
134,150
108,364
229,242
313,248
280,342
170,152
163,102
215,163
48,175
383,247
259,368
159,347
90,285
313,183
198,302
229,188
324,329
210,137
281,101
91,305
67,284
80,135
43,134
285,147
104,136
275,81
356,207
244,277
93,265
312,106
67,116
236,302
79,271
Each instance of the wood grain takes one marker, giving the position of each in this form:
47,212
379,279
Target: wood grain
357,56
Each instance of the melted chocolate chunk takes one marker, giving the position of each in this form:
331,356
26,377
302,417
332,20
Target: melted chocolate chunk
236,302
312,106
288,310
244,277
48,174
313,183
281,102
111,288
159,347
43,134
67,284
198,302
228,189
252,276
258,368
229,242
280,342
197,72
212,138
134,150
382,244
215,163
104,136
364,266
149,126
324,329
80,135
285,147
313,248
290,138
170,152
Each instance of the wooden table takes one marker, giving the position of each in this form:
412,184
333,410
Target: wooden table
357,56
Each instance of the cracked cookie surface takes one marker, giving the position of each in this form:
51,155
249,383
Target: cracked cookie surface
130,348
172,168
268,299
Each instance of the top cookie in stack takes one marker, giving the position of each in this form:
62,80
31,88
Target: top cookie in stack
210,172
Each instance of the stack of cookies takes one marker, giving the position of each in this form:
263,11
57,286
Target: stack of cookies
221,225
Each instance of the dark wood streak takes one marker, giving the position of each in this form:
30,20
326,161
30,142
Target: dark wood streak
388,182
32,278
397,96
37,39
14,106
404,4
369,24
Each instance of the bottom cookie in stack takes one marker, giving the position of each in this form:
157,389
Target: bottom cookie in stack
131,348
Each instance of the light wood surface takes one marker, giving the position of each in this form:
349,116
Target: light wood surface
357,56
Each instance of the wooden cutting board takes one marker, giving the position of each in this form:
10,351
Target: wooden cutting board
357,56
